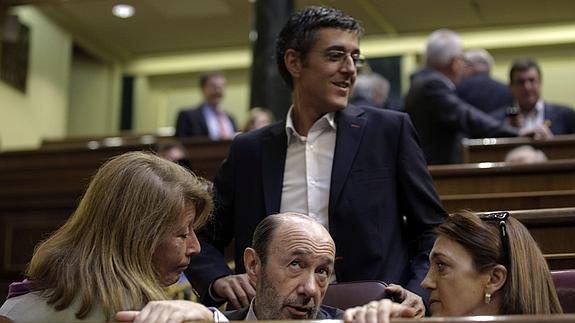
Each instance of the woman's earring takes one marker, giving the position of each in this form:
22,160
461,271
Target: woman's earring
487,298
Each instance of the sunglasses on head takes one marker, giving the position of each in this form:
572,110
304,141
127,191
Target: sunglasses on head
501,217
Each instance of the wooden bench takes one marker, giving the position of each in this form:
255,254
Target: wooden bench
494,186
483,186
495,149
554,231
96,142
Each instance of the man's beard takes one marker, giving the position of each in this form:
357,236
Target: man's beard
269,303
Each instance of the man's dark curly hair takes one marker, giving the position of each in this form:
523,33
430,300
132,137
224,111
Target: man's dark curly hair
300,33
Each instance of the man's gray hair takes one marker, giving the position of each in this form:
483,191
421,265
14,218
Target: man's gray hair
480,59
366,85
442,47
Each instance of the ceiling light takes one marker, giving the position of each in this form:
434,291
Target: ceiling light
123,10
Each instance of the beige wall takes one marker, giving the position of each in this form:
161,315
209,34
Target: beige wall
41,111
93,98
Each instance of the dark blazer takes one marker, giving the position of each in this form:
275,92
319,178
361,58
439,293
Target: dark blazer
379,176
191,122
325,313
561,118
442,119
485,93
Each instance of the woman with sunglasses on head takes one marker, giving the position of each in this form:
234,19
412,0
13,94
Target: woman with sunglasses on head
131,236
484,264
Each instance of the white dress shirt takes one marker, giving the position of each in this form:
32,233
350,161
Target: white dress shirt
219,317
307,174
535,117
251,316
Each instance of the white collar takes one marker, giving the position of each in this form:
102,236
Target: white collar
291,132
251,316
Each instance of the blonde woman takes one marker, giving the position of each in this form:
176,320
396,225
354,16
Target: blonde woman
130,237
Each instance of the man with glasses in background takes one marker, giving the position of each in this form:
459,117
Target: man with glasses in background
357,170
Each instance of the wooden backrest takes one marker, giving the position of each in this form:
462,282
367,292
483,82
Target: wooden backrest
492,186
495,149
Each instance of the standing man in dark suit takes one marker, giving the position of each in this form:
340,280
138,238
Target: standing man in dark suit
208,119
530,110
478,88
357,170
441,118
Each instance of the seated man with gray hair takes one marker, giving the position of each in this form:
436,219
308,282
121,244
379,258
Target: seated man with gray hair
291,262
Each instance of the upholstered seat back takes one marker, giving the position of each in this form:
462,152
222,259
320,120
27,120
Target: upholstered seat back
346,295
565,284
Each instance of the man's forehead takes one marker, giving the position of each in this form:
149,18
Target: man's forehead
526,74
319,252
336,37
301,235
305,245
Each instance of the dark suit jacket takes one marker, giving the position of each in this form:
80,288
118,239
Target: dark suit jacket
379,176
442,119
191,122
562,119
485,93
325,313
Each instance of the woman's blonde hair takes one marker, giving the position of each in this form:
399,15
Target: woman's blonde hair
103,253
529,288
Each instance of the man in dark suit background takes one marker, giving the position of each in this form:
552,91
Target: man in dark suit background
208,119
478,88
441,118
530,110
357,170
